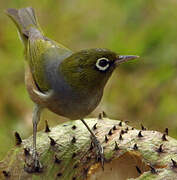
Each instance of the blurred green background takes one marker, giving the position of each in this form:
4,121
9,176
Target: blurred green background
143,91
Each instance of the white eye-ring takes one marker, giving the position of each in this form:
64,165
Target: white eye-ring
102,64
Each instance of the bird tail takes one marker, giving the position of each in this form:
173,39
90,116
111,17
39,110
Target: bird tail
25,20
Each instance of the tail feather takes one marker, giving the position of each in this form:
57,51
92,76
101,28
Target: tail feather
24,19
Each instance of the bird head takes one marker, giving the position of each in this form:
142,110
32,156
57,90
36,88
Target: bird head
90,69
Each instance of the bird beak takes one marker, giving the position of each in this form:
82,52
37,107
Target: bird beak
125,58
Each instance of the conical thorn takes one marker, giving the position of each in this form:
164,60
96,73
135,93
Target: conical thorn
122,132
100,116
166,131
142,127
138,170
114,127
18,139
110,132
164,138
73,140
47,129
140,134
52,141
116,146
120,124
59,174
106,139
160,149
57,161
74,127
95,126
174,163
135,147
104,115
120,137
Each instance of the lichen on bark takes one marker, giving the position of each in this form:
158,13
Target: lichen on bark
67,153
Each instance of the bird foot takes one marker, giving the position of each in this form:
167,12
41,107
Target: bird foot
99,151
32,164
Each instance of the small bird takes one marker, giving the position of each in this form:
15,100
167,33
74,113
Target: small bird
68,83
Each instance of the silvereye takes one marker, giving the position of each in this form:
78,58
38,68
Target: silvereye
68,83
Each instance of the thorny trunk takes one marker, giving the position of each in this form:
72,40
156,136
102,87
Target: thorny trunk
66,153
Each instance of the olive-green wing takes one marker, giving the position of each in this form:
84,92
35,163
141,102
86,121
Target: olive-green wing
37,49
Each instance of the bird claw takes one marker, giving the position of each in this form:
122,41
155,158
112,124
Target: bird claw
32,164
36,163
99,151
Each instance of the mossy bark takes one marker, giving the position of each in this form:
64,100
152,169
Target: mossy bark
66,153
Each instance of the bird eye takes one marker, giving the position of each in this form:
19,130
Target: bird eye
102,64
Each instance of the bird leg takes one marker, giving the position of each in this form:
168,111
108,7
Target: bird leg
34,164
100,152
36,119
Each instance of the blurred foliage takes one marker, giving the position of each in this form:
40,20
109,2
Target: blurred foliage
143,91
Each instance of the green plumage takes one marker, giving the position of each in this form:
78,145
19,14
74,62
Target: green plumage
80,70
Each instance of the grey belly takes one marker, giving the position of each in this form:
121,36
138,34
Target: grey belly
74,106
